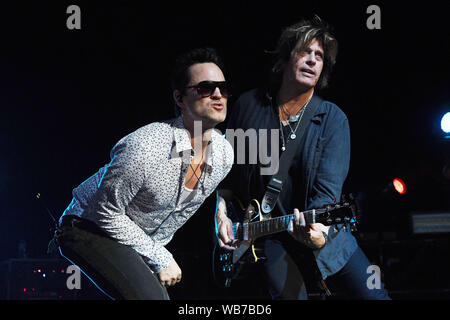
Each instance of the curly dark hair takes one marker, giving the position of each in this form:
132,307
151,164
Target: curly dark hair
296,38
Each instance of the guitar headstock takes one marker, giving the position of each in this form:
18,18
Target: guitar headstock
346,212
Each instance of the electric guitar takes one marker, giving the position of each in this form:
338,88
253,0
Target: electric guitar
254,224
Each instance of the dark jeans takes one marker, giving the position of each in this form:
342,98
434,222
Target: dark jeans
285,279
116,269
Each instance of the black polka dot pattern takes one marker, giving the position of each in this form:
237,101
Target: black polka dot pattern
136,197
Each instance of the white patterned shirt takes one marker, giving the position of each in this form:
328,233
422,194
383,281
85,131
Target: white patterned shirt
135,198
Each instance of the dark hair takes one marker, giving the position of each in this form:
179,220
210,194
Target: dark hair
180,74
296,38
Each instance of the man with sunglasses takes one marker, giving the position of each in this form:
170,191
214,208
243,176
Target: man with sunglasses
120,219
304,57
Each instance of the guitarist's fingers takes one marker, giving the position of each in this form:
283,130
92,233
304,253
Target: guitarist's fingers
232,243
230,231
223,236
320,227
223,245
225,227
299,218
226,237
229,246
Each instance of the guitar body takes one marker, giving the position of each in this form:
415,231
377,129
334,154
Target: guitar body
227,265
249,224
224,269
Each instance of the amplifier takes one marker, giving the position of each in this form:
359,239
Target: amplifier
430,222
44,279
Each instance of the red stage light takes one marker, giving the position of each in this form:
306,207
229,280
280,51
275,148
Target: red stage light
399,185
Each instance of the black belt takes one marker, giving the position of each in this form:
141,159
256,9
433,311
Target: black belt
71,221
84,224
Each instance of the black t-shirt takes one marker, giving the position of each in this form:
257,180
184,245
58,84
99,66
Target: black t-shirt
255,110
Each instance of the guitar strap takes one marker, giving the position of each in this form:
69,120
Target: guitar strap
275,184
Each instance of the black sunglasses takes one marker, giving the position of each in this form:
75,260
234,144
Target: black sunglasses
207,88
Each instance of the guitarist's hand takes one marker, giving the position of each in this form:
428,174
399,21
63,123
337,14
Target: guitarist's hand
310,235
224,228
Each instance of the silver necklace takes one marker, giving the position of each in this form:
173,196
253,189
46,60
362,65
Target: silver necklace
298,116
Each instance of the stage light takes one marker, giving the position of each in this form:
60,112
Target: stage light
399,185
445,123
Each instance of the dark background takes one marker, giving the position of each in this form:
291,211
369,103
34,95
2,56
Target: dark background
67,96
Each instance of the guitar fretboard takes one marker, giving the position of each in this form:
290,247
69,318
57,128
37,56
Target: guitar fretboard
263,228
327,216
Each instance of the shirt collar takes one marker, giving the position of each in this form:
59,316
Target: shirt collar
318,114
182,141
181,138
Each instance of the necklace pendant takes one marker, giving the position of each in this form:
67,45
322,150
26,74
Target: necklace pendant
283,148
293,118
293,136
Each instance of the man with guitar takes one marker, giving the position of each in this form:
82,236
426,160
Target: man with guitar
120,219
316,135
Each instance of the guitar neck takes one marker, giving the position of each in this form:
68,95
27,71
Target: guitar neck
335,214
257,229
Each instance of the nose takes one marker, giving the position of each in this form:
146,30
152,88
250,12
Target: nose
216,94
311,59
